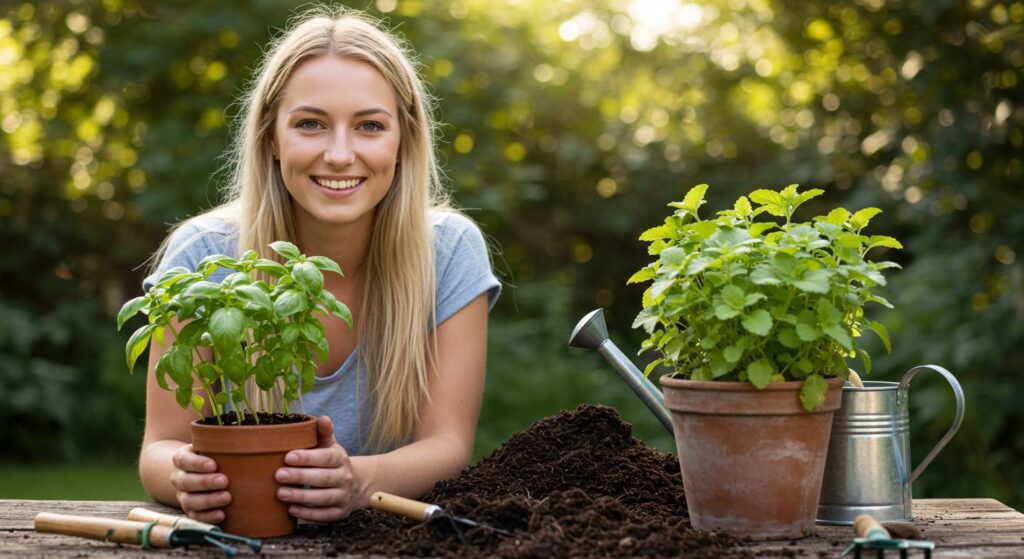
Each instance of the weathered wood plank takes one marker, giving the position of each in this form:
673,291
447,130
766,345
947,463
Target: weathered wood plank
961,528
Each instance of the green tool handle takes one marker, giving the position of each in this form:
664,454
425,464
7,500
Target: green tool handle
105,529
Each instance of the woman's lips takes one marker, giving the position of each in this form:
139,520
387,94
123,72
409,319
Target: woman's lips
338,192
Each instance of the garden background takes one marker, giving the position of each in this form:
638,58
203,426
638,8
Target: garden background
568,127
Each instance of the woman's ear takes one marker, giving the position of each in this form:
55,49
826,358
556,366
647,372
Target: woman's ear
273,149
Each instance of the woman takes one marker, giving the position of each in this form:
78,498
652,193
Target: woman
336,155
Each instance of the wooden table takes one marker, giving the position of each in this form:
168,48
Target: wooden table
959,527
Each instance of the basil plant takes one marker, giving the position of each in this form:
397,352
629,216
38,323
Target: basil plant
761,301
260,323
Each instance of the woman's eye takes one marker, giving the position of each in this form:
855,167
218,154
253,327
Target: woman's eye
371,126
307,124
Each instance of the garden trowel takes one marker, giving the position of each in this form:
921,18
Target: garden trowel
872,535
425,512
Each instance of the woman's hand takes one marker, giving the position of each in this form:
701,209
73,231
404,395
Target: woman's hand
201,490
327,472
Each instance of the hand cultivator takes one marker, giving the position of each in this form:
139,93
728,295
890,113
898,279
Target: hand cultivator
872,535
147,528
428,513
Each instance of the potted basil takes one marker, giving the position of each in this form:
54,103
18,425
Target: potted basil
756,318
260,324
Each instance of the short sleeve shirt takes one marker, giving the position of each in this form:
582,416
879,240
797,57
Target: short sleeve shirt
463,272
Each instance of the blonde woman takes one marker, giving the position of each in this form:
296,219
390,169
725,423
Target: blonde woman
336,154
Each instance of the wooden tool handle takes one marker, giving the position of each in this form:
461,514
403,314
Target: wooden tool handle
103,529
145,515
854,379
866,526
416,510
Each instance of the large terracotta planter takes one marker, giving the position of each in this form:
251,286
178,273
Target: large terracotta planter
249,455
752,460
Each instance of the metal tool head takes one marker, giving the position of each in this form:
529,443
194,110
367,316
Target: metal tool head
444,522
590,332
880,546
215,538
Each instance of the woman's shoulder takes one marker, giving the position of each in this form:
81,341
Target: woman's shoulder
192,240
448,223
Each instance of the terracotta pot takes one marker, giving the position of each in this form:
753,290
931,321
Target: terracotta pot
249,455
752,460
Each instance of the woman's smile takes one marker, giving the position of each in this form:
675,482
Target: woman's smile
338,187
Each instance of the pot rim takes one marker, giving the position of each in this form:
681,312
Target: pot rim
276,426
667,380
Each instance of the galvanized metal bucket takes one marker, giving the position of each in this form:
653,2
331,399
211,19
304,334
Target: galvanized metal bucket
868,470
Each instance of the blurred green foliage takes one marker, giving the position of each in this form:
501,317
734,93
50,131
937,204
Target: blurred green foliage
569,126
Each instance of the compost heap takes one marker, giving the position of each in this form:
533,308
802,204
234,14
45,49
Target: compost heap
577,484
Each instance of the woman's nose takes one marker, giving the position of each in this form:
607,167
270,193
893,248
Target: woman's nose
340,153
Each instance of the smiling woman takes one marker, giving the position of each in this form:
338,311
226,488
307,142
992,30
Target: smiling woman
335,153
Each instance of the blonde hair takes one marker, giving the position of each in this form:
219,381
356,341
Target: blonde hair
398,307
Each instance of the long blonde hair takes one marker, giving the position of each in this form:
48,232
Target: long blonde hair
398,290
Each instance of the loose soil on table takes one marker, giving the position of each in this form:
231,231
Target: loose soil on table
577,484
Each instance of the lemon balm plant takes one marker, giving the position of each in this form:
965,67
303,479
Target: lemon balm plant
260,329
756,313
761,301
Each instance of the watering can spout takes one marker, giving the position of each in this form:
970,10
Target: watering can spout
591,332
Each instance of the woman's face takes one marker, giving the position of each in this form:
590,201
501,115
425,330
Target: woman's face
337,137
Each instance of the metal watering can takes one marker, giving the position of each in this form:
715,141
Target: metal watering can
868,469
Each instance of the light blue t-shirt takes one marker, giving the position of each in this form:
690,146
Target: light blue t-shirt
463,272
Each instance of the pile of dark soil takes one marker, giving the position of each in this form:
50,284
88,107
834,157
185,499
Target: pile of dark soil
577,484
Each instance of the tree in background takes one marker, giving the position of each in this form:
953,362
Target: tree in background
569,126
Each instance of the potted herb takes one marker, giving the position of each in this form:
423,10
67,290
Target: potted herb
261,328
756,320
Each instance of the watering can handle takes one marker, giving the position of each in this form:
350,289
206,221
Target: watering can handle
904,392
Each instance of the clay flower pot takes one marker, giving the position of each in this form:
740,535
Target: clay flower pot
249,455
752,460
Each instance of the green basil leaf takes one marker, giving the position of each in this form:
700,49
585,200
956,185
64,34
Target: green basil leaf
289,303
204,290
270,267
309,277
227,326
137,344
130,309
291,332
254,296
286,250
183,394
312,329
326,264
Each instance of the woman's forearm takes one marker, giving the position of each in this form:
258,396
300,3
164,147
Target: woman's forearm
409,471
156,464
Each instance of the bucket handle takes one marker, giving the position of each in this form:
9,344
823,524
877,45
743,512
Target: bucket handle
904,393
